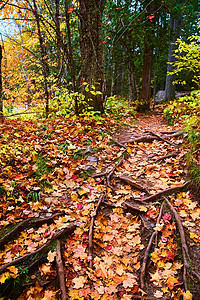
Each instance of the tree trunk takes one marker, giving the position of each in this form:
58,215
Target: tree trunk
45,66
145,96
131,70
92,55
59,43
1,99
70,55
175,28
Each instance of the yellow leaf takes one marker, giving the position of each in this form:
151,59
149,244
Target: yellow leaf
161,264
194,236
187,296
4,276
142,208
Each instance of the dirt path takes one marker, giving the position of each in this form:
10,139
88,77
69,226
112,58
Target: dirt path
135,223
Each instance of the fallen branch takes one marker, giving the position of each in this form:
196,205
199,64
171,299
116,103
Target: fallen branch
146,255
166,192
90,235
25,224
130,182
67,230
186,256
60,269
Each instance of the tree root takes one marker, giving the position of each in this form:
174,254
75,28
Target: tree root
136,186
25,224
185,252
90,236
171,154
166,192
68,230
110,174
160,138
60,270
146,255
118,143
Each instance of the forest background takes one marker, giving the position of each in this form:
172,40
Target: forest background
74,56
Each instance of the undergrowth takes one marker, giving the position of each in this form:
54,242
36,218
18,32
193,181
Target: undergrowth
186,110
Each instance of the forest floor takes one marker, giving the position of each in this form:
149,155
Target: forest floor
97,210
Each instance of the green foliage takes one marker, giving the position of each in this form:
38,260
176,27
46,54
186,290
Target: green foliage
187,59
119,107
187,111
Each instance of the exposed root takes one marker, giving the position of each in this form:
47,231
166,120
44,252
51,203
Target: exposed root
185,251
61,274
133,184
118,143
169,155
166,192
25,224
146,255
90,236
68,230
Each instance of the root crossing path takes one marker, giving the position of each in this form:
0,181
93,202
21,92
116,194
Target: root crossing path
120,222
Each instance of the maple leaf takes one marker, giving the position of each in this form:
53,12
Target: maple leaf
130,281
158,294
156,278
4,276
51,256
49,295
79,282
187,295
171,281
45,269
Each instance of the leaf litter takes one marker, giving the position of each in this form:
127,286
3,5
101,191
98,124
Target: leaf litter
108,192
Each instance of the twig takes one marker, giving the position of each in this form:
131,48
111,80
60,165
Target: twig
166,192
67,230
60,269
90,235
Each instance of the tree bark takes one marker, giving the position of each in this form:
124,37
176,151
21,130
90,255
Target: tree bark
1,99
70,55
59,42
92,54
146,77
45,66
175,28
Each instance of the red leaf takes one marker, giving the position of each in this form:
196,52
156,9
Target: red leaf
108,248
79,205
